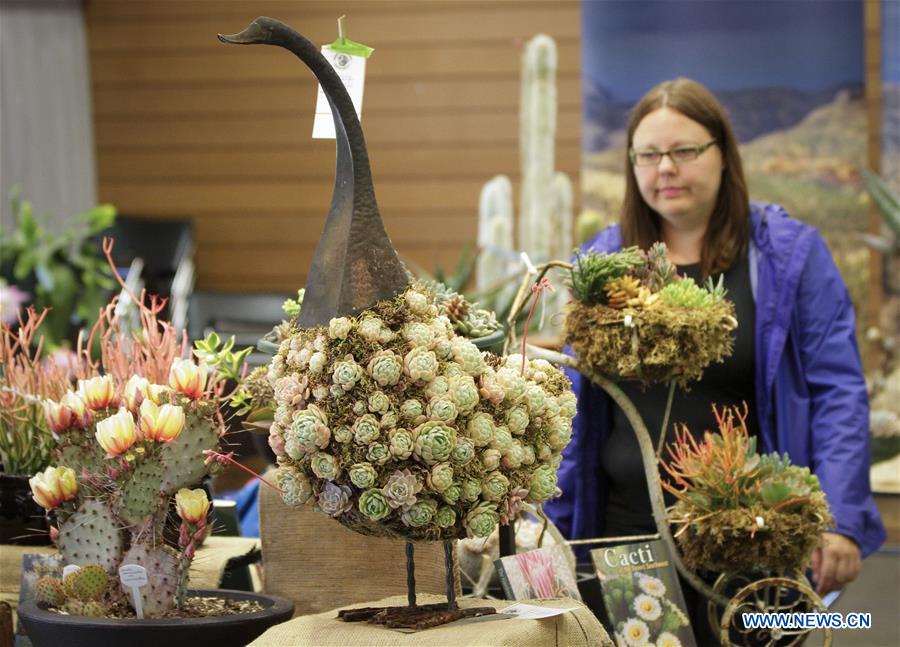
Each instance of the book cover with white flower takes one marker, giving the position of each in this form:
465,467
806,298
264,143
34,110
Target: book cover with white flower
643,596
537,574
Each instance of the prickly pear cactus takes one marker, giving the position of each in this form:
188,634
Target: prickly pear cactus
91,535
133,449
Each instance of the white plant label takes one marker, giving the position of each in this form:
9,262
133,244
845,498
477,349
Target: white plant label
69,569
531,612
134,577
352,70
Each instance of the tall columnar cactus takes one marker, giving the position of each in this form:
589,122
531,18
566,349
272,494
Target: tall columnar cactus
537,133
495,236
545,210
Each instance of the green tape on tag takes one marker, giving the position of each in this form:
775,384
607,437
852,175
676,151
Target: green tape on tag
347,46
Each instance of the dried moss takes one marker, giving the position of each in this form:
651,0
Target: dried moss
732,541
659,343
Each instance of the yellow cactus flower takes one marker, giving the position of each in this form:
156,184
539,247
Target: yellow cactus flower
117,433
81,415
192,505
97,392
136,389
59,417
188,378
53,486
162,424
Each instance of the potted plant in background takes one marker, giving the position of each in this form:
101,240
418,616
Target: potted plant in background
131,441
64,271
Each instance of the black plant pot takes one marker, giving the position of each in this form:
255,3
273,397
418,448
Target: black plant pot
22,520
49,629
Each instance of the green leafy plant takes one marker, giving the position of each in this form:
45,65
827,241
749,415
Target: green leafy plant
67,269
228,364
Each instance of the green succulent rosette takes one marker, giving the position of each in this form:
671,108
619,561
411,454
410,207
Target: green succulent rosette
395,426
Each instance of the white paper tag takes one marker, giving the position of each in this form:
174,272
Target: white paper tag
531,612
134,577
70,568
352,70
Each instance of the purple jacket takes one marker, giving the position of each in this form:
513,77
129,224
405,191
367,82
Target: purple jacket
810,392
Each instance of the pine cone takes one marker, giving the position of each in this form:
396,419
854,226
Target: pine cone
457,308
620,290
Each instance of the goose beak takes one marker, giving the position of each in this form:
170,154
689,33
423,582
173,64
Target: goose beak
256,32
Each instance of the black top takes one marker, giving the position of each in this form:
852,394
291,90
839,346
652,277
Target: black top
729,383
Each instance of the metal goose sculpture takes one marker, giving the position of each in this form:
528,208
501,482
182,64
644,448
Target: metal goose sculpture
355,264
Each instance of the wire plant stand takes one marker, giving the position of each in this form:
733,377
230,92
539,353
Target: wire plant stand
733,593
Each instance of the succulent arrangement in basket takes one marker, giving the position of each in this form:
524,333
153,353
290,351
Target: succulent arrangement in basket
633,317
395,426
740,511
130,442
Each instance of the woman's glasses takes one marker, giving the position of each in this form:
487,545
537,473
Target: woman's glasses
679,155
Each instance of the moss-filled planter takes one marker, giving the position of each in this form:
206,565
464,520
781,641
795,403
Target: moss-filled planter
733,541
652,345
50,629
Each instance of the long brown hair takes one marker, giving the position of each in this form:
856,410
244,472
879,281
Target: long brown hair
728,230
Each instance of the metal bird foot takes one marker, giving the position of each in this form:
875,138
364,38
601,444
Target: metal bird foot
413,616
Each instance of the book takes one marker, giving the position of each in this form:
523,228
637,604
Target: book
642,595
537,574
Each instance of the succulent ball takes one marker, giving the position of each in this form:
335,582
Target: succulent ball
393,425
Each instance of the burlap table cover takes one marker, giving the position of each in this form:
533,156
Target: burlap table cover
206,571
319,564
574,629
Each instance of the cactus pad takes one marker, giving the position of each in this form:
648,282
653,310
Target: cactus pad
87,583
140,493
74,608
91,535
49,592
80,451
95,609
182,458
163,576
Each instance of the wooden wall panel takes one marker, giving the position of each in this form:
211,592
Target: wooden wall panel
189,127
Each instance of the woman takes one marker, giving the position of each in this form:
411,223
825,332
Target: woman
795,362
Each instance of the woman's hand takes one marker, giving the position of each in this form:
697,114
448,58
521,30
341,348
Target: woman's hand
835,563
